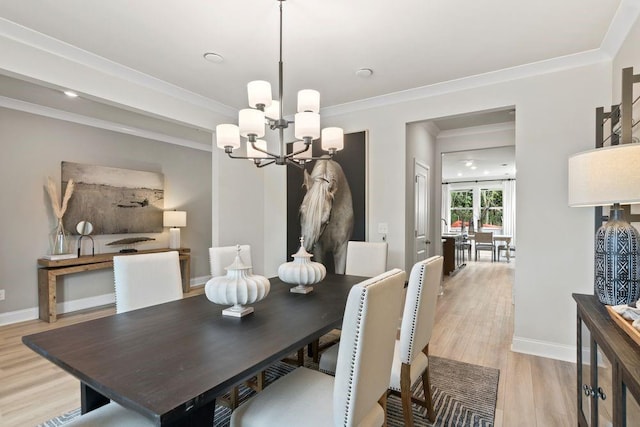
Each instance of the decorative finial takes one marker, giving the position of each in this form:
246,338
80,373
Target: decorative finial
301,240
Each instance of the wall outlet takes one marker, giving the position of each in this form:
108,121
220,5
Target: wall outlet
1,294
383,228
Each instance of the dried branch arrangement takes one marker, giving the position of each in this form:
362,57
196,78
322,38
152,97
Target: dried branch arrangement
58,209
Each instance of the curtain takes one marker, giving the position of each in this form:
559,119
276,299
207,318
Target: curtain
509,209
446,207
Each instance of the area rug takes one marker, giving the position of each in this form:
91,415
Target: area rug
464,395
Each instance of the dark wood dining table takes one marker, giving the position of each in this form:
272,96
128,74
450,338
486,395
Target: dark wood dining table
169,362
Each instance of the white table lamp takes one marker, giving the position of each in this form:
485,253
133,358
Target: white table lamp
174,220
611,176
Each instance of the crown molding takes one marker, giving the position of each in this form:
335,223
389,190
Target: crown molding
54,113
46,59
494,77
621,24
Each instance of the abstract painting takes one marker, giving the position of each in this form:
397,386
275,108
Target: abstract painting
115,201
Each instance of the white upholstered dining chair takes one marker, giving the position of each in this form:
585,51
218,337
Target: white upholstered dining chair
141,281
223,256
366,259
357,394
411,355
410,358
146,279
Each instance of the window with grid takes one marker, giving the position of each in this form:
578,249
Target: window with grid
491,209
461,209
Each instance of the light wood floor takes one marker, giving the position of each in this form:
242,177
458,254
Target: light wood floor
474,324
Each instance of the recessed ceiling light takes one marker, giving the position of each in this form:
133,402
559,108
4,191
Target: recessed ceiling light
486,172
474,167
70,94
459,173
468,163
364,72
213,57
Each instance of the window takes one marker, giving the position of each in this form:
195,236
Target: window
491,208
461,209
479,206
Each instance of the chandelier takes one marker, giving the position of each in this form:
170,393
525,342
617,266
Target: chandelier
264,111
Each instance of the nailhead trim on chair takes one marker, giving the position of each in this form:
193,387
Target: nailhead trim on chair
414,319
353,355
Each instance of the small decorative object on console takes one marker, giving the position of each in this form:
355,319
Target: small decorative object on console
302,271
238,287
129,241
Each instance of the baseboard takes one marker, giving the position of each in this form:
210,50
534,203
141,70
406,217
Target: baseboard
551,350
75,305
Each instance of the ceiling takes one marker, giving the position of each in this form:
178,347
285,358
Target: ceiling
408,44
481,165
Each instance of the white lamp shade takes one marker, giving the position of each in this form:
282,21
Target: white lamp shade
273,110
228,136
308,100
174,218
605,176
300,145
307,125
259,92
252,152
332,138
251,122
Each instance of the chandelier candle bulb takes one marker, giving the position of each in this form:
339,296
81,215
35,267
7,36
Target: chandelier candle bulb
307,125
251,122
228,135
332,139
308,100
273,110
259,92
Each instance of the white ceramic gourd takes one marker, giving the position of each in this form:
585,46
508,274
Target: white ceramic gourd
238,287
302,271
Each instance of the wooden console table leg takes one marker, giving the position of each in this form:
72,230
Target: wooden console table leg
185,264
47,304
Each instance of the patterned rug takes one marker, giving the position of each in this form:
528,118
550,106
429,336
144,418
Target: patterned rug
464,395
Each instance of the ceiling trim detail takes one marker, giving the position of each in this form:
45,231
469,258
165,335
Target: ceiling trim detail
528,70
67,116
61,64
622,23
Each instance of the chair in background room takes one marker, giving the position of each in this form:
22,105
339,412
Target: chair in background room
366,259
503,248
484,242
357,394
222,256
410,357
140,281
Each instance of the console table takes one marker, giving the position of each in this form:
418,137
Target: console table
50,270
608,368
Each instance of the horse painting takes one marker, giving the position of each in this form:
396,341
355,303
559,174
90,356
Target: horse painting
326,213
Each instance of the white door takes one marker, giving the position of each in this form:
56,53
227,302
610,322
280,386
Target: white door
421,204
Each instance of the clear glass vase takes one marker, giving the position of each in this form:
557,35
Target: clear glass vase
59,240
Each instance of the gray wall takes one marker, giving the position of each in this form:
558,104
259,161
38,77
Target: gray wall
32,149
